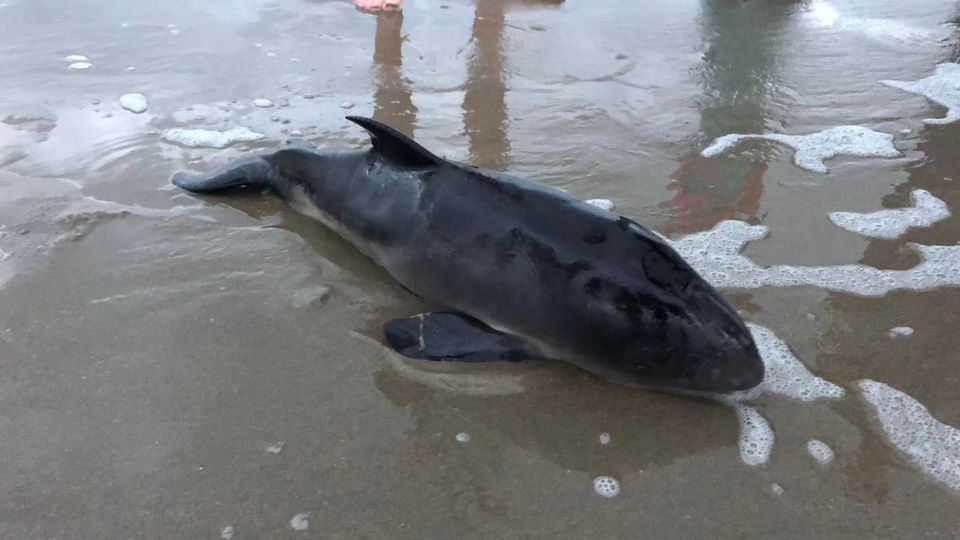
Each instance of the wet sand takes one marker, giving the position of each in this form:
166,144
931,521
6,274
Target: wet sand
154,345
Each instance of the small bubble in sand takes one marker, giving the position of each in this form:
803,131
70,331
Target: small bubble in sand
820,451
132,68
77,58
300,522
80,65
776,488
346,105
261,102
135,103
900,332
226,532
275,448
604,438
606,486
463,437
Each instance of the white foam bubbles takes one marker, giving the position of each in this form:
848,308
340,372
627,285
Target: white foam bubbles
135,103
931,445
811,150
820,451
784,374
925,210
898,332
300,522
606,486
756,435
196,138
604,204
715,254
942,87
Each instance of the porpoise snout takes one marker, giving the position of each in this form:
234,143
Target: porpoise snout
187,181
732,370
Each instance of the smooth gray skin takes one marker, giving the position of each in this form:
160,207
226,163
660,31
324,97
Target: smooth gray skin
578,283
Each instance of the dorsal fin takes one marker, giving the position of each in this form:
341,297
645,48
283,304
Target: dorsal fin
395,146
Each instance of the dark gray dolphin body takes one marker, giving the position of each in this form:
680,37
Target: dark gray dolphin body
525,270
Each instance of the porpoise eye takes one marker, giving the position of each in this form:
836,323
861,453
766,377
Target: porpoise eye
627,302
595,238
592,286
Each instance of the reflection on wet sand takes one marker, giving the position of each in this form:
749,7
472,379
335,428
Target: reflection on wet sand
393,100
484,99
738,76
485,115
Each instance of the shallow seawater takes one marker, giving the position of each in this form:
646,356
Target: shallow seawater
174,366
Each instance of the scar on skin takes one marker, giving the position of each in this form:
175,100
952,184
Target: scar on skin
423,342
